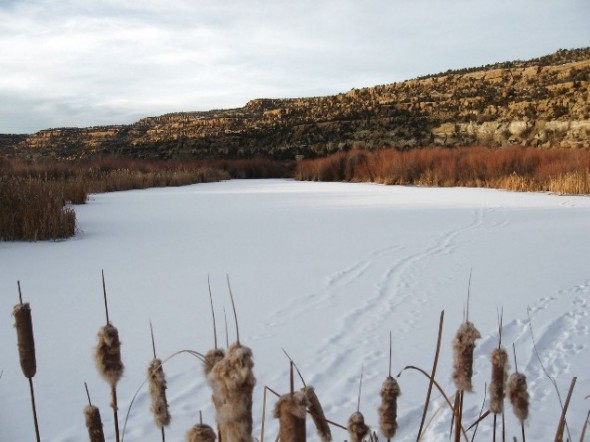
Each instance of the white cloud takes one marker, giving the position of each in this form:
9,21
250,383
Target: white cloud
81,63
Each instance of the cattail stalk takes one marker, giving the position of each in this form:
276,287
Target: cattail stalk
107,356
357,428
317,414
93,420
23,322
499,359
157,388
201,432
291,410
463,348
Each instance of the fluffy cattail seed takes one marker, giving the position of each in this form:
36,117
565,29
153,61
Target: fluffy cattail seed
26,340
390,391
518,395
357,429
498,384
201,433
108,354
291,410
157,387
93,423
232,381
463,347
212,357
317,414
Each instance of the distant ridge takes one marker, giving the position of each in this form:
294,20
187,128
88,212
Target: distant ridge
541,102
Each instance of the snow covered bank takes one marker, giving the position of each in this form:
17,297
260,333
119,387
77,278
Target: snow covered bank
324,270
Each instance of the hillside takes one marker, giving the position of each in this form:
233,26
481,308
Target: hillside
541,102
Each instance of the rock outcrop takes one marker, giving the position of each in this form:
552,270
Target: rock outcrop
542,102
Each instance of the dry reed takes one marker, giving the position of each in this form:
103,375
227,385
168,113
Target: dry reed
93,423
23,323
317,414
291,410
357,428
518,395
499,358
201,433
390,391
157,387
463,347
232,381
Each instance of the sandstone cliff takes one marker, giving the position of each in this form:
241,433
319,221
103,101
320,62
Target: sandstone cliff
542,102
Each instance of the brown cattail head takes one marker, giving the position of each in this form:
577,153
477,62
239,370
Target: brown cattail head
93,423
499,375
518,395
157,386
23,322
212,357
232,381
291,410
201,433
390,391
463,347
317,414
357,429
107,354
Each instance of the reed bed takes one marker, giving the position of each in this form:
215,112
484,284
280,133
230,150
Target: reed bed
230,375
517,168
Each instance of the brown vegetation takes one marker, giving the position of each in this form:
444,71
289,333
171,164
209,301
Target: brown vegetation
511,168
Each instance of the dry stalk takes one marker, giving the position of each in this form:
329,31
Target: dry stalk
317,414
291,410
107,356
23,322
561,426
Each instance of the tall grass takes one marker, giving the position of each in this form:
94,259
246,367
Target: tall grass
510,168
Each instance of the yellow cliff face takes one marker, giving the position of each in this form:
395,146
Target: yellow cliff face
542,102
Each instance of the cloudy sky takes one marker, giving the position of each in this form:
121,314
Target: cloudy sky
93,62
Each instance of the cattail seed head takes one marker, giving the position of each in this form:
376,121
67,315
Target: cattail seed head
233,381
107,354
93,423
463,347
291,410
499,375
357,429
518,395
201,433
157,387
212,357
390,391
23,322
317,414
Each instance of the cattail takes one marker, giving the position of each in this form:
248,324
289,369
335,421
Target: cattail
463,347
201,433
108,354
357,429
232,381
498,383
93,423
26,340
390,391
291,410
317,414
518,395
157,387
212,357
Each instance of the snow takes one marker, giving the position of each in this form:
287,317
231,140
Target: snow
323,270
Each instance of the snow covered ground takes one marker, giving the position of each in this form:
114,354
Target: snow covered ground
323,270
